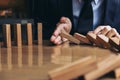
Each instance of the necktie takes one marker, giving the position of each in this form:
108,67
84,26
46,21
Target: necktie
85,21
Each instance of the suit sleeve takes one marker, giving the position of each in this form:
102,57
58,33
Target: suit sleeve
112,14
117,16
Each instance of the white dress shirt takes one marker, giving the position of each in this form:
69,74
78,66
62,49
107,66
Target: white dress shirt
97,11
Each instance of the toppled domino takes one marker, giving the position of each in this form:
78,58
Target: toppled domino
82,38
93,38
115,42
104,41
69,37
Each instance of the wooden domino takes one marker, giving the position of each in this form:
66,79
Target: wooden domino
69,37
71,71
104,67
82,38
39,33
93,38
104,41
7,35
29,34
115,42
18,35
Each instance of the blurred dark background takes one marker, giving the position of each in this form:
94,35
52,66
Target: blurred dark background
15,11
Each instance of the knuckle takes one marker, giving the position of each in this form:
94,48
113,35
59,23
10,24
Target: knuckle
100,27
108,26
113,30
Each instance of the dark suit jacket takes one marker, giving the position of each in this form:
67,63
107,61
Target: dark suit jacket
54,9
112,14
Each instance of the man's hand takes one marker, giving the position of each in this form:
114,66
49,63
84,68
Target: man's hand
63,24
107,31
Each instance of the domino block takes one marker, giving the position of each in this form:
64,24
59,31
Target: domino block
39,33
105,66
93,38
18,36
71,71
7,35
82,38
29,34
69,37
115,42
104,41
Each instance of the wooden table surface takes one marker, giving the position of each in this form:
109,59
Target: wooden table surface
34,62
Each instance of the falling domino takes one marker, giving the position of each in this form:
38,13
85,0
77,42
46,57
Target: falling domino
29,34
7,35
73,70
115,42
39,33
69,37
104,41
18,36
82,38
93,38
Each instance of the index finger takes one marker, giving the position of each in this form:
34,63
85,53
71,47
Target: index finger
98,29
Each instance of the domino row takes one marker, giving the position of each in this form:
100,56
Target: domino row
18,34
91,38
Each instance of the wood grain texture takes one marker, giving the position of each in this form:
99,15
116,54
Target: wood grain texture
43,62
71,71
104,67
